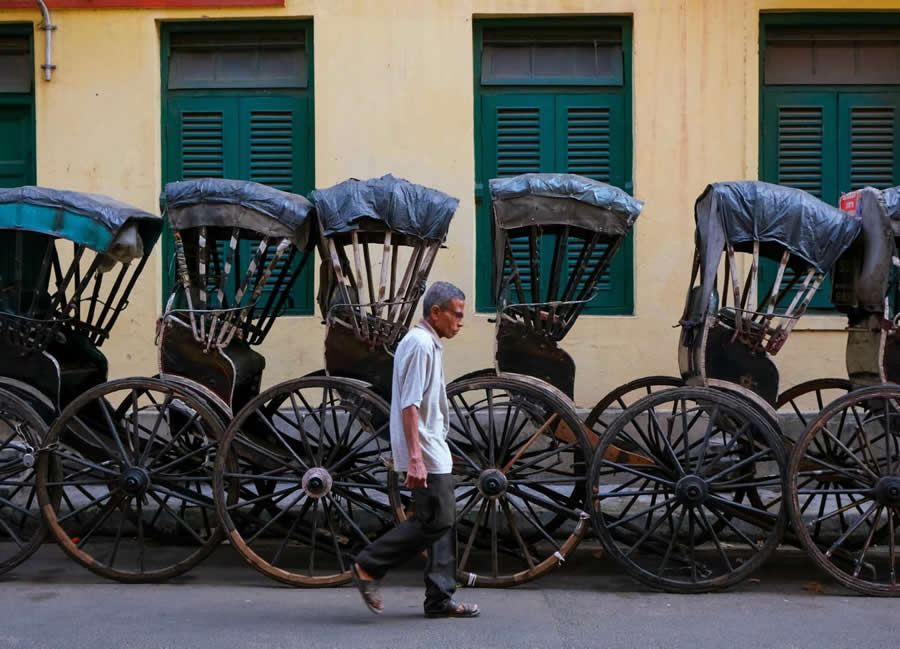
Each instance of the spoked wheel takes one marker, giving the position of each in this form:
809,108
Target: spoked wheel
619,399
126,482
518,451
310,488
671,508
22,528
844,481
806,400
623,396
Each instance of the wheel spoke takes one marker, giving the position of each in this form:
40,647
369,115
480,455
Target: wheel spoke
189,529
104,407
743,462
182,458
171,443
843,537
657,425
857,566
701,517
629,469
275,518
154,432
651,529
291,530
515,531
468,549
362,535
334,541
277,433
12,534
671,545
298,424
99,518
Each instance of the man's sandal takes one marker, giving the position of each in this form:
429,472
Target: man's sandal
451,608
368,589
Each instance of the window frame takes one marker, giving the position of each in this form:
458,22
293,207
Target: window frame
24,99
484,288
767,166
166,29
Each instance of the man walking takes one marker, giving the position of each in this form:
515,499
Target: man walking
419,425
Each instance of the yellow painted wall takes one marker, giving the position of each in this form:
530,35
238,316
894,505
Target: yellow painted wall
394,93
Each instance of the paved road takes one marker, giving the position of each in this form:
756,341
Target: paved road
51,603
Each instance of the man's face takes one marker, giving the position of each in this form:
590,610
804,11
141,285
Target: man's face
448,321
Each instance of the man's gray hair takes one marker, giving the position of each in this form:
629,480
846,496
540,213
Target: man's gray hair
439,294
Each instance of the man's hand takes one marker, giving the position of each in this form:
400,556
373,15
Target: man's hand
417,475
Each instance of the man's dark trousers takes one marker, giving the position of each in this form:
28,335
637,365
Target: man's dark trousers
431,528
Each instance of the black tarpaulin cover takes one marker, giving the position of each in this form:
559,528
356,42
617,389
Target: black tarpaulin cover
892,201
747,211
269,211
402,206
615,211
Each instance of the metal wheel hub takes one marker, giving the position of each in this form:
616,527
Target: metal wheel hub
887,491
317,482
492,483
691,490
135,481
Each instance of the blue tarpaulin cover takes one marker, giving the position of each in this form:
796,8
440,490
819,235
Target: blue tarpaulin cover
96,221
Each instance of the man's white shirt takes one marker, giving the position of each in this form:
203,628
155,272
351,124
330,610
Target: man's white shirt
418,380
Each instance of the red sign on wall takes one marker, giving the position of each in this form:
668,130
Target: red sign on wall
138,4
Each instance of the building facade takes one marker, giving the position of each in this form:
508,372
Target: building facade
659,97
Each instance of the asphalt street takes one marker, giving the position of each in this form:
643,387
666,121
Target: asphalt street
50,602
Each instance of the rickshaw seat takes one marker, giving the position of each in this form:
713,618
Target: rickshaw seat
231,373
727,317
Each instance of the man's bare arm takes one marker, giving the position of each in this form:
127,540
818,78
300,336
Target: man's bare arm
416,475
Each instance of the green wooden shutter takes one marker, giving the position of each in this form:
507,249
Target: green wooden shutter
800,150
200,143
544,133
16,145
274,152
800,142
260,138
202,138
869,140
516,138
590,141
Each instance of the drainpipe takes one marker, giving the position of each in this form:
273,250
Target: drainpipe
48,29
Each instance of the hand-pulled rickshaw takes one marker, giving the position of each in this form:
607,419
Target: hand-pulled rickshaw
68,262
696,502
134,457
309,489
844,474
519,447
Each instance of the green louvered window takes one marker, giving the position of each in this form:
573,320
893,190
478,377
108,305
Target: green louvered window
824,137
17,135
543,128
261,134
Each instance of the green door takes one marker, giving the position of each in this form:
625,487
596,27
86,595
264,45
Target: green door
800,134
553,133
828,142
869,141
17,160
258,137
589,138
